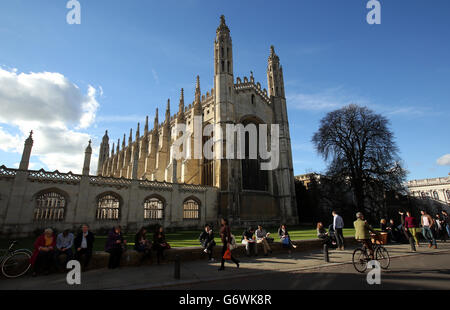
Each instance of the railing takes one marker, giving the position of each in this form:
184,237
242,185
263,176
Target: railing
55,176
7,172
99,180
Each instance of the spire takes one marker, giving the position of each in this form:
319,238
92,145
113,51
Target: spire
130,139
198,93
181,104
197,104
273,56
123,141
87,159
137,132
146,126
89,148
105,137
180,116
156,122
25,161
167,121
118,146
223,26
112,150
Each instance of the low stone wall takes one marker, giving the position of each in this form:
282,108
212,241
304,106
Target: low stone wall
133,258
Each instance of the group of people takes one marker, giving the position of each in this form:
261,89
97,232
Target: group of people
49,248
251,238
432,228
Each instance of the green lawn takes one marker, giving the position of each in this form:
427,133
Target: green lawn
189,238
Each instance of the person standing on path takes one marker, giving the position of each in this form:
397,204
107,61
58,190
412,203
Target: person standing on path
446,223
427,223
225,236
411,226
338,225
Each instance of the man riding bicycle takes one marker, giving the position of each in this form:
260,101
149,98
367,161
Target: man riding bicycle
362,232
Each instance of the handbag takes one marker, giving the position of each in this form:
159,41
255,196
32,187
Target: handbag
227,255
285,241
232,243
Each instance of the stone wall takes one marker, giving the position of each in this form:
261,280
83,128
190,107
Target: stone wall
19,190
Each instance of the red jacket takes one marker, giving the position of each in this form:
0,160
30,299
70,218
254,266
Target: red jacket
40,242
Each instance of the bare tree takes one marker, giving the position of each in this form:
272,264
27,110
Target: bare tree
361,151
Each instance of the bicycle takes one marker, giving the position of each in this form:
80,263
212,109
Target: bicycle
15,263
361,256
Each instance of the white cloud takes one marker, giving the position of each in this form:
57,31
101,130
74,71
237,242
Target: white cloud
155,76
55,109
444,160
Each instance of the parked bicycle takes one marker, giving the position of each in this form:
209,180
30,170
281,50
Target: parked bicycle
15,263
361,256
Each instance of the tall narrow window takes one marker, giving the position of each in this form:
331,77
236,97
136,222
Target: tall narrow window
108,207
49,207
223,66
435,195
191,209
153,209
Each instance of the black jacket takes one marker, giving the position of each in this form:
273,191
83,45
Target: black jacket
206,238
89,240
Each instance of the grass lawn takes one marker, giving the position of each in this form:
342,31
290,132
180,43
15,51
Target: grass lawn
187,238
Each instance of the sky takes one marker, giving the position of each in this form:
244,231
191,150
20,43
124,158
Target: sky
70,83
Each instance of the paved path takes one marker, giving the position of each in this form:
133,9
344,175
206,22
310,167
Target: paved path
148,277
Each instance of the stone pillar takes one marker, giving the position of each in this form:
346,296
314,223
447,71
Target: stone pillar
25,161
87,159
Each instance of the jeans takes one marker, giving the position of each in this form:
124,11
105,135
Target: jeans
339,237
428,235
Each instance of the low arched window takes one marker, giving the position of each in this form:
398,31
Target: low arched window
108,207
49,206
448,195
153,209
191,209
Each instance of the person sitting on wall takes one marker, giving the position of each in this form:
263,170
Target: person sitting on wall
160,244
262,237
207,241
84,243
115,246
64,243
44,252
286,239
142,245
323,235
249,239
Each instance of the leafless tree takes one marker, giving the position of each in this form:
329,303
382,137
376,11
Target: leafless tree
361,152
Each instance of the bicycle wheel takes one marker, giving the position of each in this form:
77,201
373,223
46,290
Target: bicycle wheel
360,259
17,264
382,256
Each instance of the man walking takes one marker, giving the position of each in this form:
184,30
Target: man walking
338,225
427,226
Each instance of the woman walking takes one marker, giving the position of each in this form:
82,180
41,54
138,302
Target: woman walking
225,236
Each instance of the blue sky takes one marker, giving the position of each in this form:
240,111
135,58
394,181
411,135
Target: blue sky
129,57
